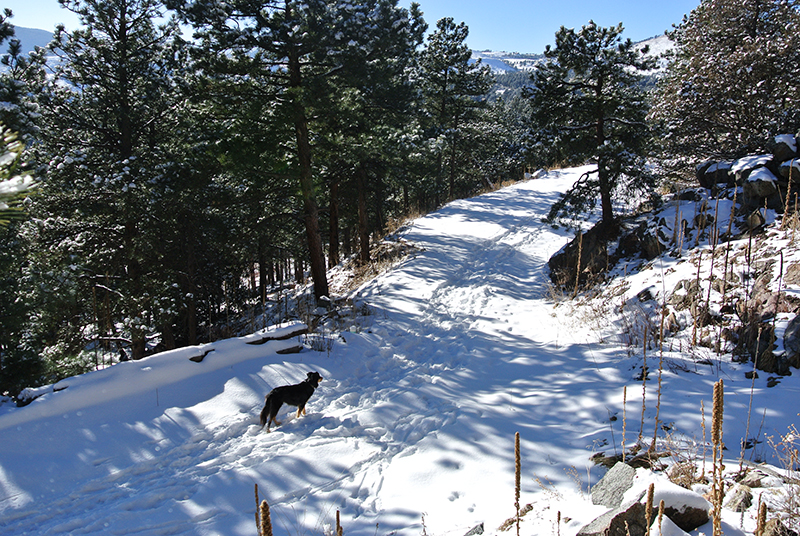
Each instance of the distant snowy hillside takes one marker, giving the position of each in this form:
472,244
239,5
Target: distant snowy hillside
30,38
504,62
659,45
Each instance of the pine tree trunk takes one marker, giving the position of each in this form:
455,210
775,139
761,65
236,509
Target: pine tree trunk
363,229
191,289
605,198
333,239
310,208
264,269
602,166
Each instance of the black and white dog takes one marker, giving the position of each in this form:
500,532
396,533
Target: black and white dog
294,395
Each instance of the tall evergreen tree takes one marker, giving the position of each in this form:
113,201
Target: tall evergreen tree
369,107
731,82
295,50
587,105
452,90
107,121
21,78
19,366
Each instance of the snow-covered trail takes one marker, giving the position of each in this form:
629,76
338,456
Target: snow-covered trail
414,421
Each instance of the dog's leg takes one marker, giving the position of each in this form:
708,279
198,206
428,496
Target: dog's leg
265,413
301,410
273,419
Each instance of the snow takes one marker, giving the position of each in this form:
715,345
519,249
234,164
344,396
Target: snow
412,429
674,496
666,528
761,174
749,162
788,139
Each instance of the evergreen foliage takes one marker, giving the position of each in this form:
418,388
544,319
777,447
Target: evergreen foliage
181,182
731,84
309,59
452,91
587,105
21,77
18,366
107,116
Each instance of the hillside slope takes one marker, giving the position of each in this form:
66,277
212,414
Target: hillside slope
411,430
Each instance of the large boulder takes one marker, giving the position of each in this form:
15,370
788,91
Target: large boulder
684,507
628,520
592,246
791,342
790,169
642,240
742,168
783,147
610,490
666,528
760,185
713,174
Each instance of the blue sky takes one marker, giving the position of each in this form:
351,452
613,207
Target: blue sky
509,25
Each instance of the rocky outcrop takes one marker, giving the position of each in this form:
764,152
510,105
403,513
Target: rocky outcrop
684,508
716,214
629,520
584,258
764,178
612,487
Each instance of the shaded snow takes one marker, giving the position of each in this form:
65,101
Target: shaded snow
415,418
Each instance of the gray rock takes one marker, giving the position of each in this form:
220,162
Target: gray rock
744,167
628,520
774,527
791,337
711,174
593,258
684,507
610,489
740,499
688,518
474,531
790,168
755,220
781,149
792,276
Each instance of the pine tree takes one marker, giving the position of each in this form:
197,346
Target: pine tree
107,118
587,105
19,366
304,56
21,76
368,111
730,84
452,91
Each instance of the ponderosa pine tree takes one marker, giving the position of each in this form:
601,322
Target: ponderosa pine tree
107,118
19,366
21,75
367,108
298,54
731,82
452,90
587,105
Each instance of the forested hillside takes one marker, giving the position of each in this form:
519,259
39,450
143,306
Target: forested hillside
174,167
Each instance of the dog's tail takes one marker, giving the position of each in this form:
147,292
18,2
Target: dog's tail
265,411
